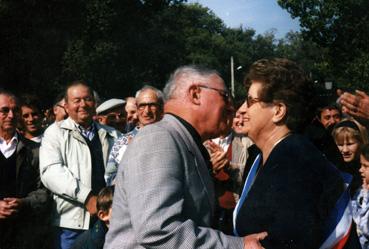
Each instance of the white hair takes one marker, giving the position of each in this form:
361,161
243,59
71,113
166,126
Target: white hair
182,77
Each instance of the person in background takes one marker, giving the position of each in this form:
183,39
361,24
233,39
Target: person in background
360,202
131,110
73,158
349,136
149,110
31,118
94,238
329,116
112,113
24,202
59,109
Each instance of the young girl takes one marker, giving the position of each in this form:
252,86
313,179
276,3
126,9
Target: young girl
360,202
349,135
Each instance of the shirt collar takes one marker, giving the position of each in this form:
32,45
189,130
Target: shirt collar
13,140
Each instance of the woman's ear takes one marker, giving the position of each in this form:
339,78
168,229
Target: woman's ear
280,112
194,94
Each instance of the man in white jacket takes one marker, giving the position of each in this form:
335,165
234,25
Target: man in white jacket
73,157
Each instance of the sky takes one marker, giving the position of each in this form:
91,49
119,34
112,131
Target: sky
260,15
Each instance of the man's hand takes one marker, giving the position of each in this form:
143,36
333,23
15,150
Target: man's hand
253,241
9,207
90,204
355,105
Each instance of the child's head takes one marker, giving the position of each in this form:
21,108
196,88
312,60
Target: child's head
364,162
349,136
103,204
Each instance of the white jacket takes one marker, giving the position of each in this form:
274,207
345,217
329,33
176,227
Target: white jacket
65,169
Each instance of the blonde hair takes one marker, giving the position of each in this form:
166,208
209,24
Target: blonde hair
349,128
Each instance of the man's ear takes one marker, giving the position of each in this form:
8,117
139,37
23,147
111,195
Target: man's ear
99,119
280,112
194,94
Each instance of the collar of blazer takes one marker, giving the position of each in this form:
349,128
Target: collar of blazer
199,159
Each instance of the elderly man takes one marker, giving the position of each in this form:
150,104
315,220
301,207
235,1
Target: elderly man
22,199
73,157
112,113
131,110
164,196
150,110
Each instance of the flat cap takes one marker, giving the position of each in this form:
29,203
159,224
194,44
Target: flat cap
109,104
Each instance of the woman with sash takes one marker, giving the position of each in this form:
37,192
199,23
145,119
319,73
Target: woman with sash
292,191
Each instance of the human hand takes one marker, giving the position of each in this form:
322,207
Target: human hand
212,147
253,241
219,160
355,105
90,204
9,207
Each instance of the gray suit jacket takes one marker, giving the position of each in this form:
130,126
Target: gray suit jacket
164,194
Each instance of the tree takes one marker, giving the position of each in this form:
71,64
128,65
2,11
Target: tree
342,28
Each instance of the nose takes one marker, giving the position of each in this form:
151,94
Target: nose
361,170
243,108
345,148
11,114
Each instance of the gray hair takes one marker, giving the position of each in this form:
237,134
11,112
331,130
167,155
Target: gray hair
176,82
159,94
9,94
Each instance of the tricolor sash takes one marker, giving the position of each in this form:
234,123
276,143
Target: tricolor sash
339,222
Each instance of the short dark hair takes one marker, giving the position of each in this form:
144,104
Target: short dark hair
365,151
328,107
284,81
105,199
77,83
31,101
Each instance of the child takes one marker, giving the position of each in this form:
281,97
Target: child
94,238
349,135
360,202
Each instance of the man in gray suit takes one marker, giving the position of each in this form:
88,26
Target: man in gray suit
164,195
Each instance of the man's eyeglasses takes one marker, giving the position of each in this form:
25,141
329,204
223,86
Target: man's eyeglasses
114,116
5,111
151,105
250,101
224,93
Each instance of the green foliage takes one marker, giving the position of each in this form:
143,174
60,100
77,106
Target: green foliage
341,27
118,46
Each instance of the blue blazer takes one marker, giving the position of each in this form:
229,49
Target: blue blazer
291,197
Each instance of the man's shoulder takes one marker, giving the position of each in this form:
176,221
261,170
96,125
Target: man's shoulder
108,129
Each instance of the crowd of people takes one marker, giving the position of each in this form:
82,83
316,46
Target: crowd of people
187,167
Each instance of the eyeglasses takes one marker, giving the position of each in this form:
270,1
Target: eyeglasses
224,93
5,111
250,101
151,105
114,116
